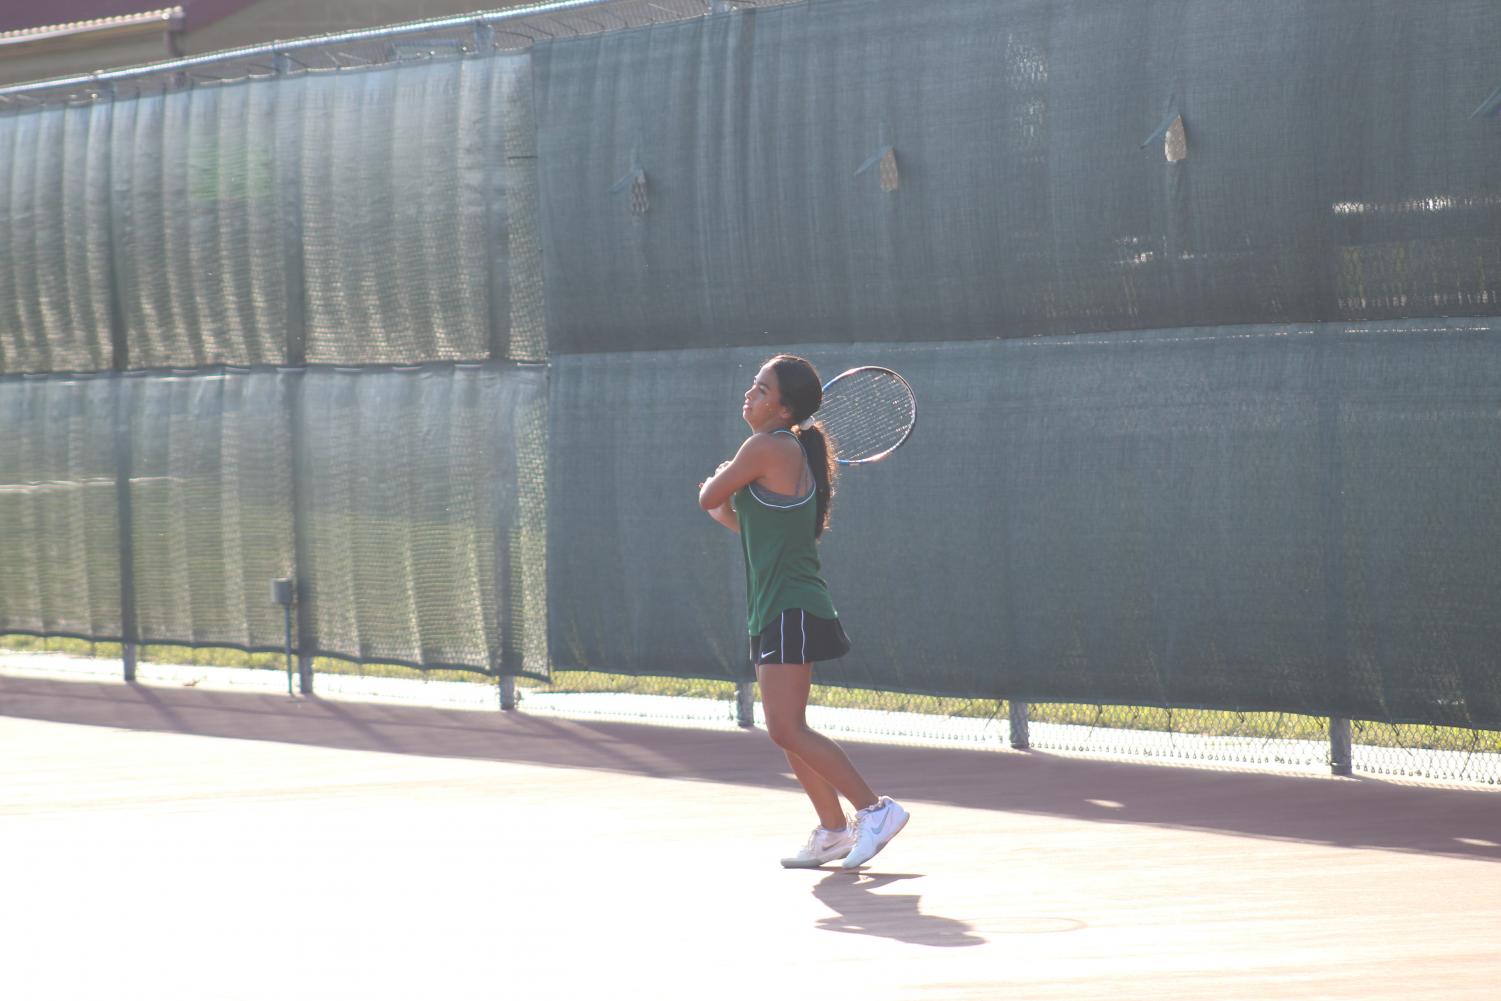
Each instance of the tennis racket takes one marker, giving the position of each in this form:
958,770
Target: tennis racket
868,412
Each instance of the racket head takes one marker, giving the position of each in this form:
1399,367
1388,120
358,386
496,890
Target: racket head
868,412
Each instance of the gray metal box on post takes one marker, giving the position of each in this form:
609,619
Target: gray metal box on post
284,593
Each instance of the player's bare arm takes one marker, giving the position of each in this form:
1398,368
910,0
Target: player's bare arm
750,463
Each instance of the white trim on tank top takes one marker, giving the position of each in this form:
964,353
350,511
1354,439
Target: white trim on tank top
806,464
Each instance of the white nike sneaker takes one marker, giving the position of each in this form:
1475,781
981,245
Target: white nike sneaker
823,846
874,826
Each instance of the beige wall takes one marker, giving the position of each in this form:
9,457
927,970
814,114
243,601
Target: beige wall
33,63
256,24
272,19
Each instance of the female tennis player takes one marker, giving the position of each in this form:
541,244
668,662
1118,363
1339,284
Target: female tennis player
775,493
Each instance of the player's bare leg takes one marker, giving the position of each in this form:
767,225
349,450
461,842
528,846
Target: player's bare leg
784,697
821,791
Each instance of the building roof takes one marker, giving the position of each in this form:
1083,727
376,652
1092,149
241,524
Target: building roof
28,15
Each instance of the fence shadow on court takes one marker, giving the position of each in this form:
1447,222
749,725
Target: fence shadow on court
1351,813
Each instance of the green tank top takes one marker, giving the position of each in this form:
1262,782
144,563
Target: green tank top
781,556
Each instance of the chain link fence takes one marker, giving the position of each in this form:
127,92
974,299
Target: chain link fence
1205,737
1213,738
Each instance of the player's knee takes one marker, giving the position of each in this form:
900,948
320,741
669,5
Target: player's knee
784,733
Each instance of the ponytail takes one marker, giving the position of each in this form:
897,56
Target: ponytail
802,393
820,451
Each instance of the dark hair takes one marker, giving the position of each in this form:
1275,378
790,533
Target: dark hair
802,393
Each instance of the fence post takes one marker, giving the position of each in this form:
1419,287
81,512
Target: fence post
1336,649
745,703
119,365
508,573
1340,754
129,629
1017,724
301,544
288,165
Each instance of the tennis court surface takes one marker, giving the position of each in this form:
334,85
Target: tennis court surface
175,843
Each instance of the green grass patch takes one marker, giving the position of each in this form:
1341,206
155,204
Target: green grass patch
596,681
904,702
1207,722
60,644
820,695
210,656
336,665
1421,736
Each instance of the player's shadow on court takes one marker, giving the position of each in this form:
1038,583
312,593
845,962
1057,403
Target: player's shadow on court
859,910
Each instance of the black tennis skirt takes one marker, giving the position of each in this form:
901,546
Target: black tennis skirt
798,637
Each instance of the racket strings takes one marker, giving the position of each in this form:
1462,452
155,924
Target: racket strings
866,413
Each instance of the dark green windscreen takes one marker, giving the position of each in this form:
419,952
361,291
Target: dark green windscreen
1332,171
59,524
1265,517
1199,299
